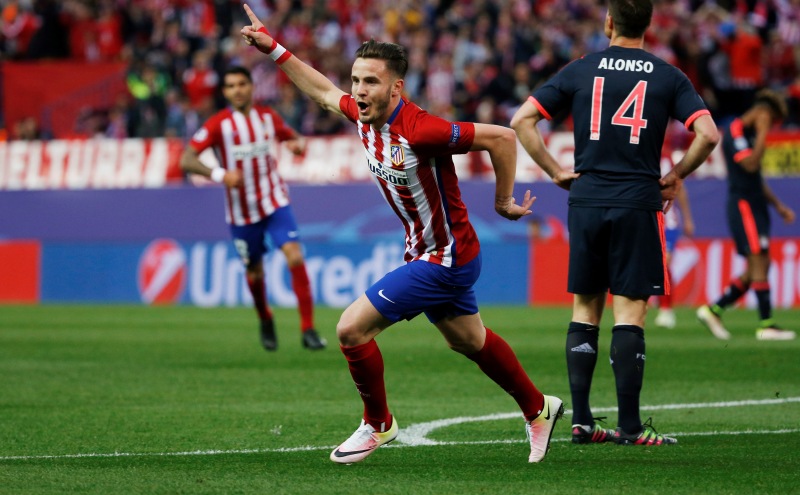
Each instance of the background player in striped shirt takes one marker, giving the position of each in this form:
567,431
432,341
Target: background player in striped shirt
244,137
409,153
621,100
749,197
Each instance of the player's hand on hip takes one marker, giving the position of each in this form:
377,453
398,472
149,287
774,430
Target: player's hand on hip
255,34
506,206
670,184
564,178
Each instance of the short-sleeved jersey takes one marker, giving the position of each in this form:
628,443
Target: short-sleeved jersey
411,161
621,100
737,144
247,143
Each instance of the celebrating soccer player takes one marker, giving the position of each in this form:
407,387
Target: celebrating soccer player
409,153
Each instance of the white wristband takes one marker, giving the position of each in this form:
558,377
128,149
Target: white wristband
217,174
277,52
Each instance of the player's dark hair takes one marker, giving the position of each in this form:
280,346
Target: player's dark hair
236,69
631,17
774,101
394,55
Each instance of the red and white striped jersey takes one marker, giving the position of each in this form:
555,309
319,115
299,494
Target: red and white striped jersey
411,160
248,143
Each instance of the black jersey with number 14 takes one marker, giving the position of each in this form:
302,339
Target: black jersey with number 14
621,100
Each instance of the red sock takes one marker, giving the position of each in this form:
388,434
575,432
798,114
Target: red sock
499,363
259,291
665,301
366,368
305,300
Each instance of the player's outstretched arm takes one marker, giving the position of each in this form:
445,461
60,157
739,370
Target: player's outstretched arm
502,147
306,78
524,124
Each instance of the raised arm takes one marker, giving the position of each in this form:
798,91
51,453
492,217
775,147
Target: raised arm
524,124
306,78
502,147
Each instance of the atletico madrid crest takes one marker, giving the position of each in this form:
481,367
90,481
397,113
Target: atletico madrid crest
398,157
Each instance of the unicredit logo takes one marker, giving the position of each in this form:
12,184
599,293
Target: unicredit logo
162,272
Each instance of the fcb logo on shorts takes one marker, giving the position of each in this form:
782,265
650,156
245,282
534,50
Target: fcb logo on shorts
398,157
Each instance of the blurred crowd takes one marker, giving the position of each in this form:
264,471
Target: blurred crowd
472,60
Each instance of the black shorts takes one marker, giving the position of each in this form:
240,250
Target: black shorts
749,224
618,249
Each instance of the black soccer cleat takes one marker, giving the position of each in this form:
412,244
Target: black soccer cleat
312,340
647,437
268,338
592,433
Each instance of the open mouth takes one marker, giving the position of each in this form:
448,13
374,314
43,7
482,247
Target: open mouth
362,106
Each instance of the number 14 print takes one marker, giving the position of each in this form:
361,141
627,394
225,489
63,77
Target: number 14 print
635,99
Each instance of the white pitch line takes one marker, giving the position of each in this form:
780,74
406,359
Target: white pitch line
305,448
568,439
417,434
425,428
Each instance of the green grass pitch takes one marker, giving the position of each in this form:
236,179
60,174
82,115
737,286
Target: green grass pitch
151,400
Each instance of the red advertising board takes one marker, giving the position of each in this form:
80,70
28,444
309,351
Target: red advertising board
20,271
701,270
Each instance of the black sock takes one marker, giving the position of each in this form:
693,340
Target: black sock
732,294
764,304
627,361
581,359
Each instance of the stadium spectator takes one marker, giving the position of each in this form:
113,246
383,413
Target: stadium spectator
19,26
410,154
749,197
148,85
26,129
244,137
621,100
200,81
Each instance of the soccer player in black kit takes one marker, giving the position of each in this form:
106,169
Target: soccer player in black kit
621,100
748,216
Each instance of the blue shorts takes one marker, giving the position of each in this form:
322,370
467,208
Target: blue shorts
251,242
420,286
671,237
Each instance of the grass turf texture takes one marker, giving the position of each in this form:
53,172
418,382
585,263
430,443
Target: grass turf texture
155,381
